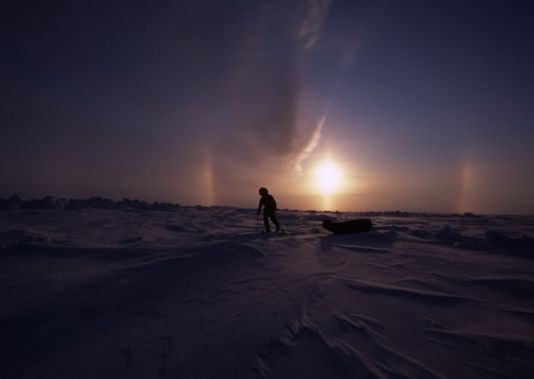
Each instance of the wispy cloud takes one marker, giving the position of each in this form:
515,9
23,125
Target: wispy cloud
310,146
310,28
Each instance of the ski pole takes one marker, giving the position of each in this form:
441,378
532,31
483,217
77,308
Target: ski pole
278,219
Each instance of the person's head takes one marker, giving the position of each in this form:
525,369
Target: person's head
263,191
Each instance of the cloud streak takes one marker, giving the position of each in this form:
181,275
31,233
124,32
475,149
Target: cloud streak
311,145
310,28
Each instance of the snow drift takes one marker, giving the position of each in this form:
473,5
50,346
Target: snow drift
199,292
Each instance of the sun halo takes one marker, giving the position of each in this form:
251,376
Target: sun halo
327,177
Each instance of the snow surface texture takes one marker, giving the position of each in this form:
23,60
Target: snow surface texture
198,292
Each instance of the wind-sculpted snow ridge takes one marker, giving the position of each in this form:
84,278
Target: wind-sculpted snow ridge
202,292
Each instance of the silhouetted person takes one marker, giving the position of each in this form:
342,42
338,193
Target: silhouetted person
269,208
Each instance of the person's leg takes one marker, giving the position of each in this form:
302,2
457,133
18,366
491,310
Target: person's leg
275,221
266,222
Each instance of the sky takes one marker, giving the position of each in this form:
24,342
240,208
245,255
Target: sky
419,105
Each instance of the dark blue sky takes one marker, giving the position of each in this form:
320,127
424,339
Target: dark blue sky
425,105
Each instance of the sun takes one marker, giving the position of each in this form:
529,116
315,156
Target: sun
327,177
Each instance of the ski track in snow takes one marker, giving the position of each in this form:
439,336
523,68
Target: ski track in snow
200,293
